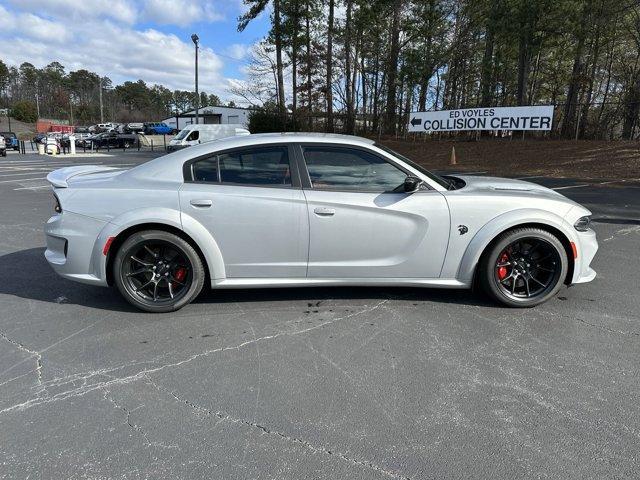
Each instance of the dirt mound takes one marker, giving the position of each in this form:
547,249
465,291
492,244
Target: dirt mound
558,158
19,128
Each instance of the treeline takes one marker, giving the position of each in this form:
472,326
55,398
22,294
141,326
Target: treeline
362,65
51,92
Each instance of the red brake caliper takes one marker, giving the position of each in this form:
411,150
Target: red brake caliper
502,271
180,274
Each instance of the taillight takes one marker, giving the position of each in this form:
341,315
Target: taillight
56,207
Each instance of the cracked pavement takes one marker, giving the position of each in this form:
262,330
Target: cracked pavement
331,383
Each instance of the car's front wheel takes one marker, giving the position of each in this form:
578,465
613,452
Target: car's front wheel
524,267
158,271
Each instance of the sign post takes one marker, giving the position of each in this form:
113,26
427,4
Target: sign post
494,118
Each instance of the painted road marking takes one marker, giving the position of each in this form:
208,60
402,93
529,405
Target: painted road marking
16,180
16,174
33,188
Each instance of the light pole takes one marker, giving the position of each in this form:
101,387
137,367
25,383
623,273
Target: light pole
101,107
195,40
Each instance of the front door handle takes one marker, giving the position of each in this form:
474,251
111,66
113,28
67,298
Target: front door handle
324,212
202,203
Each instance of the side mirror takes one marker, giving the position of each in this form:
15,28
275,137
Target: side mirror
412,184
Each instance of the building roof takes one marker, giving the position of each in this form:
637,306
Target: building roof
212,109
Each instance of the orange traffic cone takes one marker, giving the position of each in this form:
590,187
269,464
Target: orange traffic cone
452,159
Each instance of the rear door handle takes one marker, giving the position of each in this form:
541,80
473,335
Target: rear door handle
202,203
324,212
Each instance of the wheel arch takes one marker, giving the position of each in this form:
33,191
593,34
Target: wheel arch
556,232
120,238
486,237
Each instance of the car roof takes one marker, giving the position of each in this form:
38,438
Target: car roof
169,167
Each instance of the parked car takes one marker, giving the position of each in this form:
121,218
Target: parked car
308,210
11,141
39,137
196,134
157,129
102,127
134,127
80,137
77,130
113,140
3,146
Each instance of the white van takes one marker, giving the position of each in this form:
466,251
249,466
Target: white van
195,134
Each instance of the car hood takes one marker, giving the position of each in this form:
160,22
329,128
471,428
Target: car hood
505,185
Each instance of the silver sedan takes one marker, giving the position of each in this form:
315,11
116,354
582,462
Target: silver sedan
285,210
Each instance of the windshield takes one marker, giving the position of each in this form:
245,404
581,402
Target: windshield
182,134
436,178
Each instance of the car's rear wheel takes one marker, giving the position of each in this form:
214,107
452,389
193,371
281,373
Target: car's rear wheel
524,267
158,271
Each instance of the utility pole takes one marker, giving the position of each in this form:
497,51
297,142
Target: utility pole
195,40
101,108
37,100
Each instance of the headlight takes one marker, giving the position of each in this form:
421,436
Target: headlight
56,207
582,224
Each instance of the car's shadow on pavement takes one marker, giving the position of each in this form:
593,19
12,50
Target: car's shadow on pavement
27,275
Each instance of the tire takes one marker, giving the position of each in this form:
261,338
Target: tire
524,267
164,282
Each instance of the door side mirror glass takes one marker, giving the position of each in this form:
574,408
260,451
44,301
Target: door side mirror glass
412,184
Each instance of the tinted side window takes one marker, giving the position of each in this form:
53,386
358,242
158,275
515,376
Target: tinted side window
350,169
256,166
206,170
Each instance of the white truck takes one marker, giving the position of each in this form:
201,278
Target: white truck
194,134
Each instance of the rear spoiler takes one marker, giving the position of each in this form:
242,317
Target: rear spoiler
60,178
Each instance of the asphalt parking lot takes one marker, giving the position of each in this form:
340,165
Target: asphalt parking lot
358,383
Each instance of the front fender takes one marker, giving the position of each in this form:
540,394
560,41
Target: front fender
499,224
164,216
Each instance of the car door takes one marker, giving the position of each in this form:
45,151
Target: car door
361,224
251,201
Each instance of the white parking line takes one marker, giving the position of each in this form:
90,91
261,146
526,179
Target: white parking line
16,180
572,186
33,167
16,174
33,188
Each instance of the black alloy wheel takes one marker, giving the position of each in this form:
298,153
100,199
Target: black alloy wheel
157,271
525,267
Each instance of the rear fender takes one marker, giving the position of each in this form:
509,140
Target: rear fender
163,216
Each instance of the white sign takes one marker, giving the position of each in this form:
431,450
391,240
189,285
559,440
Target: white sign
496,118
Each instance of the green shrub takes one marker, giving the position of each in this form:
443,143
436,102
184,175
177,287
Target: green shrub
24,111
